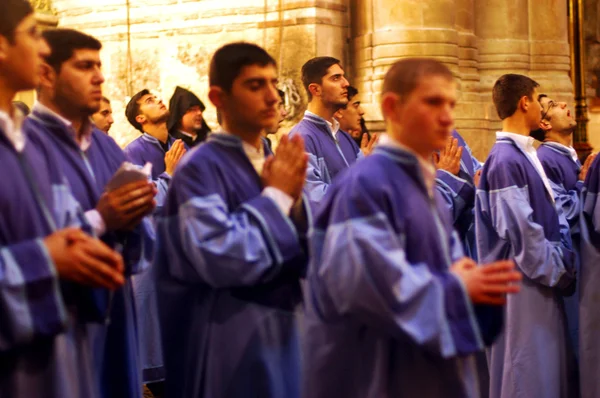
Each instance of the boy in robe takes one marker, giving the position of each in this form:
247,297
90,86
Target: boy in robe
44,349
351,115
148,114
330,150
272,130
566,176
394,309
69,93
185,118
231,245
516,218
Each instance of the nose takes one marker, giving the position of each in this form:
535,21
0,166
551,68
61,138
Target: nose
110,119
273,95
99,76
447,116
345,82
44,48
563,105
361,111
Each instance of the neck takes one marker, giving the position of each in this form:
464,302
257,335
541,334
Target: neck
515,126
404,140
158,131
7,95
561,138
320,109
77,118
252,137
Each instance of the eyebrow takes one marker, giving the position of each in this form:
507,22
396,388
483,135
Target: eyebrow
337,75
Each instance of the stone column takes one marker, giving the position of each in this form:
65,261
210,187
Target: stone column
549,48
399,29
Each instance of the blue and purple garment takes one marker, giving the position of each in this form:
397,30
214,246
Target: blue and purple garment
385,317
88,170
458,193
330,151
516,219
589,299
228,265
44,341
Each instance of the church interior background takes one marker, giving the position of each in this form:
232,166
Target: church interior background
159,44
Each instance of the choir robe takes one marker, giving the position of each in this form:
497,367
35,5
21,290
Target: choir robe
327,156
563,172
589,299
143,149
458,193
515,218
146,149
384,315
228,265
44,344
88,172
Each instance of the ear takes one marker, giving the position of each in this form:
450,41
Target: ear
389,106
338,115
48,76
524,103
314,89
216,96
141,119
545,125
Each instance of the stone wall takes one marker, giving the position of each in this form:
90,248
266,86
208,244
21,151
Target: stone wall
173,40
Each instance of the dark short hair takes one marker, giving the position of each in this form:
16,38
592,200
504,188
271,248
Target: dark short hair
314,69
352,92
106,100
133,109
508,91
12,13
64,42
228,61
404,75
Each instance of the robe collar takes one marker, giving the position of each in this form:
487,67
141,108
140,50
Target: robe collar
332,128
46,115
568,151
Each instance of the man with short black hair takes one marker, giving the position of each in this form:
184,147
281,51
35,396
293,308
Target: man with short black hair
103,119
330,149
230,253
147,113
350,116
516,218
394,308
69,93
185,118
48,264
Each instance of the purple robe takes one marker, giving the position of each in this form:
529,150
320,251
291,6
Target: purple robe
228,266
327,156
385,317
88,172
516,219
44,342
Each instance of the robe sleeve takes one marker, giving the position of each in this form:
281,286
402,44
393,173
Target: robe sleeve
506,204
457,194
359,269
206,241
317,178
567,201
30,299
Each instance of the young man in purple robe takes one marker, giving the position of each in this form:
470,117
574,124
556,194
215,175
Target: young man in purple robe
47,269
231,245
330,150
69,92
394,309
516,218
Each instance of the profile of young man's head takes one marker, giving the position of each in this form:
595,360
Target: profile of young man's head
145,107
20,46
73,75
323,77
512,94
243,86
417,101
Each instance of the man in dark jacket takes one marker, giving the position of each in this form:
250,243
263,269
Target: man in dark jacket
185,120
